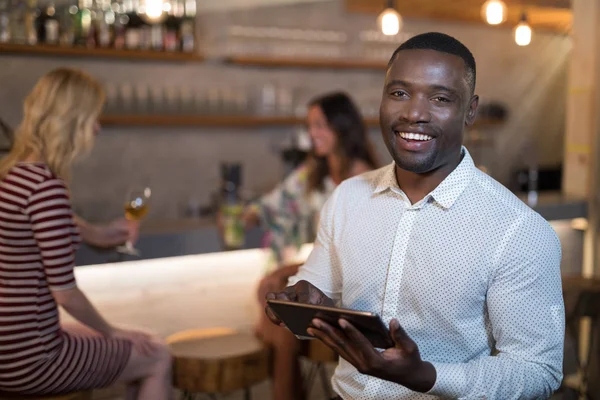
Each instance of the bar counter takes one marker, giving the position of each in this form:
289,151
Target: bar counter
171,294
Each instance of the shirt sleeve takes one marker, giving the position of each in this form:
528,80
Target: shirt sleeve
51,217
322,268
526,313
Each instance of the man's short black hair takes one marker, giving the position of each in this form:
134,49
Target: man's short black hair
444,43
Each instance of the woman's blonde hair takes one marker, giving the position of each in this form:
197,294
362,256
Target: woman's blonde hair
58,121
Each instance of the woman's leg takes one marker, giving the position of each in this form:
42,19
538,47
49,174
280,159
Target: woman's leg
148,376
286,375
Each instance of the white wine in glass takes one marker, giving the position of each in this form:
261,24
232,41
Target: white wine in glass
136,207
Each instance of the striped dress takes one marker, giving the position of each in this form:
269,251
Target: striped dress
38,239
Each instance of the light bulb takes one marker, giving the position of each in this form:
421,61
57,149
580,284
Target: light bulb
390,22
494,12
153,11
523,33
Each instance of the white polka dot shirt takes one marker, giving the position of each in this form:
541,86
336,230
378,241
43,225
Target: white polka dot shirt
466,270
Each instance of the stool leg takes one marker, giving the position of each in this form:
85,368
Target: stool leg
247,394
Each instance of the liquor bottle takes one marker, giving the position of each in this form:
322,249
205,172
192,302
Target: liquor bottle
83,23
4,21
119,25
18,32
47,26
133,30
172,25
188,26
102,16
232,207
66,18
31,14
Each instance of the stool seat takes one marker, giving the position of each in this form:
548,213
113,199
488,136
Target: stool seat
217,360
87,395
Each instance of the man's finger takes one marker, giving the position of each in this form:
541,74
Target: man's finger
332,344
400,337
359,340
271,315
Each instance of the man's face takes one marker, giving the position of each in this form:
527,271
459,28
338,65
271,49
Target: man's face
425,106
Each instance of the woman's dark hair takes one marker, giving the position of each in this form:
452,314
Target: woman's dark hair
346,122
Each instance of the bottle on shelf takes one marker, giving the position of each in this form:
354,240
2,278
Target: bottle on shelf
66,18
102,16
18,31
133,29
4,21
172,25
232,207
188,26
48,27
119,25
83,23
31,14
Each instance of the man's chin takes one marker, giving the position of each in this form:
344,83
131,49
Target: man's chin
416,165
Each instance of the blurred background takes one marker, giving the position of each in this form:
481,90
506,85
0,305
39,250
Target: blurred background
198,87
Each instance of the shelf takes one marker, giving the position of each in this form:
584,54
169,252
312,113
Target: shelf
249,121
198,120
97,52
300,62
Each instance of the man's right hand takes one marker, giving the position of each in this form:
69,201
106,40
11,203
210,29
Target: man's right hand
301,292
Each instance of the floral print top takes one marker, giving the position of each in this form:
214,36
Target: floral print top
290,215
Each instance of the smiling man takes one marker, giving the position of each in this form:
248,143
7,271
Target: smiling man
465,274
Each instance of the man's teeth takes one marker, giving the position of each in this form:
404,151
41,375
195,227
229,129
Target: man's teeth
414,136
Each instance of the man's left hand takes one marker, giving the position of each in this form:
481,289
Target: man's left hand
401,364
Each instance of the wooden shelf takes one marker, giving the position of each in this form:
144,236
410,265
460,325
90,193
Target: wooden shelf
300,62
198,120
249,121
97,52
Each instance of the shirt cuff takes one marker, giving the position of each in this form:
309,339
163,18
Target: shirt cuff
451,381
292,280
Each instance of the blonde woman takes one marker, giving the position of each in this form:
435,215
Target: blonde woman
38,238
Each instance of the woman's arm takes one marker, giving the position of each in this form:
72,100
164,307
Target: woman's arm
107,236
53,228
76,303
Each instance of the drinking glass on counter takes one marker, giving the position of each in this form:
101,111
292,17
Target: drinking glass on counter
136,207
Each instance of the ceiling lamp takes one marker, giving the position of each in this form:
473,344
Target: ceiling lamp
390,21
523,31
494,12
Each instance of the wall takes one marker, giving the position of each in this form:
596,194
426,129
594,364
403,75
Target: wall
181,165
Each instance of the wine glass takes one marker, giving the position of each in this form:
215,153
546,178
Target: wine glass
136,207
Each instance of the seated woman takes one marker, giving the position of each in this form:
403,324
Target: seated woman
106,236
290,213
38,238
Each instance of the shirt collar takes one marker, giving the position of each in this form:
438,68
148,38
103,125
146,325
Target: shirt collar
446,193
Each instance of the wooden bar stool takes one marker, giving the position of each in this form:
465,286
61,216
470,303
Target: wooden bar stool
87,395
217,361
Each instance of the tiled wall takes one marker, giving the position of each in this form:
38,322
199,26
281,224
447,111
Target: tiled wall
181,165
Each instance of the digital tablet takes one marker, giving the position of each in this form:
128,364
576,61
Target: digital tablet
297,318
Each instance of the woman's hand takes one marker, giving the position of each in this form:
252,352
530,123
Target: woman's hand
270,283
114,234
120,231
144,342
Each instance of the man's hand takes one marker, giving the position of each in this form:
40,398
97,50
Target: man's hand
401,364
301,292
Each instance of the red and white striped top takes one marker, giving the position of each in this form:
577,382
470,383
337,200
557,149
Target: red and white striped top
38,239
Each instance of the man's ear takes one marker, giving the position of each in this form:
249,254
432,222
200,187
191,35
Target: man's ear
472,112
